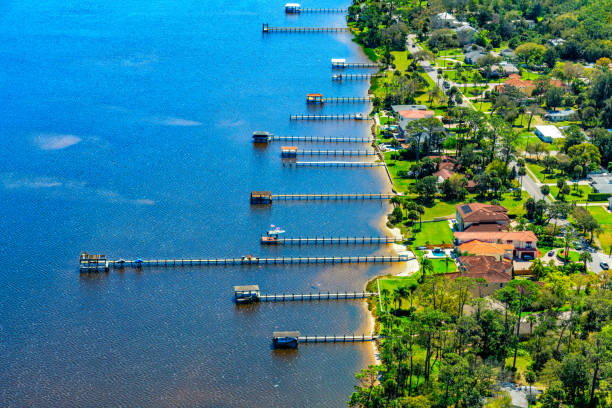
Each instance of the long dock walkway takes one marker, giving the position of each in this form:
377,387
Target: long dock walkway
357,196
344,77
269,240
322,10
340,64
139,263
338,339
349,116
283,297
351,99
322,139
336,153
267,29
335,164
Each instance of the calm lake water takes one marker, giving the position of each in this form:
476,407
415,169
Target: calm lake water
126,130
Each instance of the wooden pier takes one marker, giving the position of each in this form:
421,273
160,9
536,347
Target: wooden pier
295,8
245,260
350,116
356,77
266,197
285,152
322,139
341,63
335,164
267,29
311,99
251,293
273,240
291,339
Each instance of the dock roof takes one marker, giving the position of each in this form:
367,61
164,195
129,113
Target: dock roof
246,288
278,334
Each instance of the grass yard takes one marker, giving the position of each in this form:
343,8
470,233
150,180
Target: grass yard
604,218
528,75
432,233
580,194
441,266
400,60
538,171
573,256
482,106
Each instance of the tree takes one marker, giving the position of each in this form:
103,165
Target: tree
533,109
585,257
454,187
367,390
413,215
554,97
426,187
545,189
574,376
537,268
426,266
530,53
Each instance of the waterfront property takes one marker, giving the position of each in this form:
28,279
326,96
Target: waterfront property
476,247
474,217
496,273
524,242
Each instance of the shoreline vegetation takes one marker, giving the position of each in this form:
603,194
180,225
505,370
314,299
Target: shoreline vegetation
444,343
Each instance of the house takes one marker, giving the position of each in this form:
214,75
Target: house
480,248
473,57
601,183
560,116
415,114
466,34
398,108
507,53
524,242
443,20
496,273
556,41
548,133
503,69
474,215
526,86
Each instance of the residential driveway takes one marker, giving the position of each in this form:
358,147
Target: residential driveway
597,258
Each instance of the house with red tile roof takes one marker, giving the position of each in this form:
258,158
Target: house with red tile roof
526,86
495,273
476,247
524,242
471,215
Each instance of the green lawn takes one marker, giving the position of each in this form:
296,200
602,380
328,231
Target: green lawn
441,266
580,194
401,60
432,233
573,256
394,166
604,218
483,107
538,170
529,75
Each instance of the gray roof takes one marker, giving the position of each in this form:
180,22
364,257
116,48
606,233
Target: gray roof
246,288
397,108
474,55
277,334
602,183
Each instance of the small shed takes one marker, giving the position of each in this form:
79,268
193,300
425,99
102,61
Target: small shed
293,8
338,62
261,197
314,98
261,136
285,339
289,151
246,293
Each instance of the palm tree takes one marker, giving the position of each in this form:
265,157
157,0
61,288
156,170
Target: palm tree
426,266
537,268
385,297
585,257
568,237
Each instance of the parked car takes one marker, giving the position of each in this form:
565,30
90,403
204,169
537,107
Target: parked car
604,266
527,258
551,253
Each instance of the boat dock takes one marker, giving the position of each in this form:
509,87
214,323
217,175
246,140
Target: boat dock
273,240
343,77
245,260
267,137
341,63
291,339
267,29
335,164
319,99
266,197
292,151
251,293
350,116
295,8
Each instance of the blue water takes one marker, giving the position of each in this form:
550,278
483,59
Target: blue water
126,130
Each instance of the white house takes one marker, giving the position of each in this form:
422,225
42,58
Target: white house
443,20
466,34
560,116
547,133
